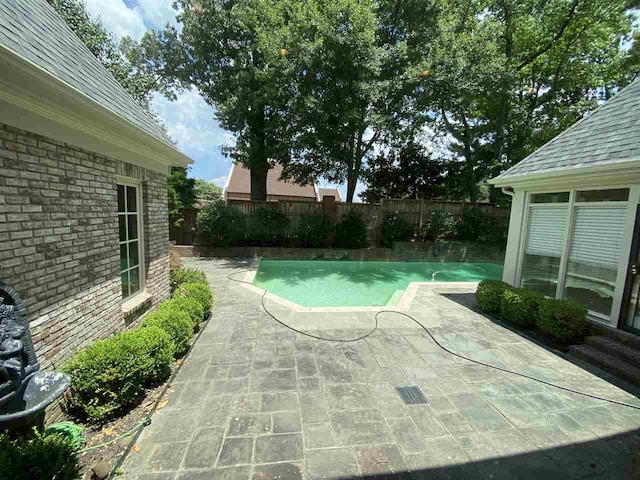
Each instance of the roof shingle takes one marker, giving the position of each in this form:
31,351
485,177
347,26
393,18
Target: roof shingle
33,30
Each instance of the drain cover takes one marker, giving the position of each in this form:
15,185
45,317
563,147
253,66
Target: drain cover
411,395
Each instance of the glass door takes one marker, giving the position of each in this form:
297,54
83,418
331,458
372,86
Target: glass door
632,289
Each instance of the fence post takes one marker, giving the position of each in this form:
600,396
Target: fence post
421,210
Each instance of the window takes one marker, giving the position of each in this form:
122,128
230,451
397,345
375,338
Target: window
130,246
582,267
557,197
594,254
543,251
614,195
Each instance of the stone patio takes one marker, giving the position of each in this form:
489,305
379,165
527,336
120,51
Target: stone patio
254,400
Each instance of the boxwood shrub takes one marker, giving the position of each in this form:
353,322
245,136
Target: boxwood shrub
44,456
189,305
520,306
197,291
563,320
175,322
110,375
489,295
180,276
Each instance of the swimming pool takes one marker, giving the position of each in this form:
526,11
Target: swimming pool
332,283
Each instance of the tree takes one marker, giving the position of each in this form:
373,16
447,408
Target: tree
207,191
181,194
408,172
508,76
227,50
126,60
357,65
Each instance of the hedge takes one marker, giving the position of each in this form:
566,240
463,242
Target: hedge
520,306
181,276
489,295
110,375
563,320
176,323
197,291
44,456
189,305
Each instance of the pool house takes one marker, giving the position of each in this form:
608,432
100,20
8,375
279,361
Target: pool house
575,230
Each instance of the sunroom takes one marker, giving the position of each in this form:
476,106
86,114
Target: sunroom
573,231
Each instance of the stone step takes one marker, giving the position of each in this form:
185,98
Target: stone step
621,336
607,362
615,349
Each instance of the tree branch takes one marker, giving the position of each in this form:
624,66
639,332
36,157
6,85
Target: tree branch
545,48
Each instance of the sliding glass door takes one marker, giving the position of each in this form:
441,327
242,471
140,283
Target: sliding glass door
573,246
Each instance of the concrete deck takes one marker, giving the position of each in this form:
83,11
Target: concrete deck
254,400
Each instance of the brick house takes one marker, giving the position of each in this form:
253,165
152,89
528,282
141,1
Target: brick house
83,187
238,186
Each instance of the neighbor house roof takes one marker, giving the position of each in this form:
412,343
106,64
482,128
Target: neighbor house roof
329,192
38,40
608,135
239,182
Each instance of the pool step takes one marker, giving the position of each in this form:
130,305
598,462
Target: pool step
395,298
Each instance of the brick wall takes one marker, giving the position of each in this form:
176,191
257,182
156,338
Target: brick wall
59,239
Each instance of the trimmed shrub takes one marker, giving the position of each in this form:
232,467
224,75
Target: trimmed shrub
186,275
267,226
351,232
563,320
189,305
438,227
110,374
520,306
314,231
175,322
44,456
489,295
197,291
222,225
396,229
475,226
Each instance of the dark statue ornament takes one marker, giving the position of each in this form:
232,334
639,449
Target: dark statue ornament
25,391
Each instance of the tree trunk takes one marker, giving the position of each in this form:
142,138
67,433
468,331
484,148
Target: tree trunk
352,181
259,180
505,84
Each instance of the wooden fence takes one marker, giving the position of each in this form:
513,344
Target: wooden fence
416,212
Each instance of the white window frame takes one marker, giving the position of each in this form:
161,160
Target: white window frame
128,182
631,203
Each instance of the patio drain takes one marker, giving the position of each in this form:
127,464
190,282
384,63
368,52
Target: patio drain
411,395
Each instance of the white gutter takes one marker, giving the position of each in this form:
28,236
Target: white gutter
627,167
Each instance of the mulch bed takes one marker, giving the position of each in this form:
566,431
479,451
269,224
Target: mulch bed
99,434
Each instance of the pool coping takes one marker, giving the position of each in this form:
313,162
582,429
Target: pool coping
403,305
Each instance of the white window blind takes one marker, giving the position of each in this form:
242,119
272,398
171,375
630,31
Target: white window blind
546,231
597,236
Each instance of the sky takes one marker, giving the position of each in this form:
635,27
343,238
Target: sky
189,120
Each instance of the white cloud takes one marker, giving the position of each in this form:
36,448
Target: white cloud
220,181
191,122
157,12
118,18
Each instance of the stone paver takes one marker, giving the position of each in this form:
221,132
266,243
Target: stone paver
255,401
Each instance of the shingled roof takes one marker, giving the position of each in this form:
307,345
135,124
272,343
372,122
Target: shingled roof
610,134
34,31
